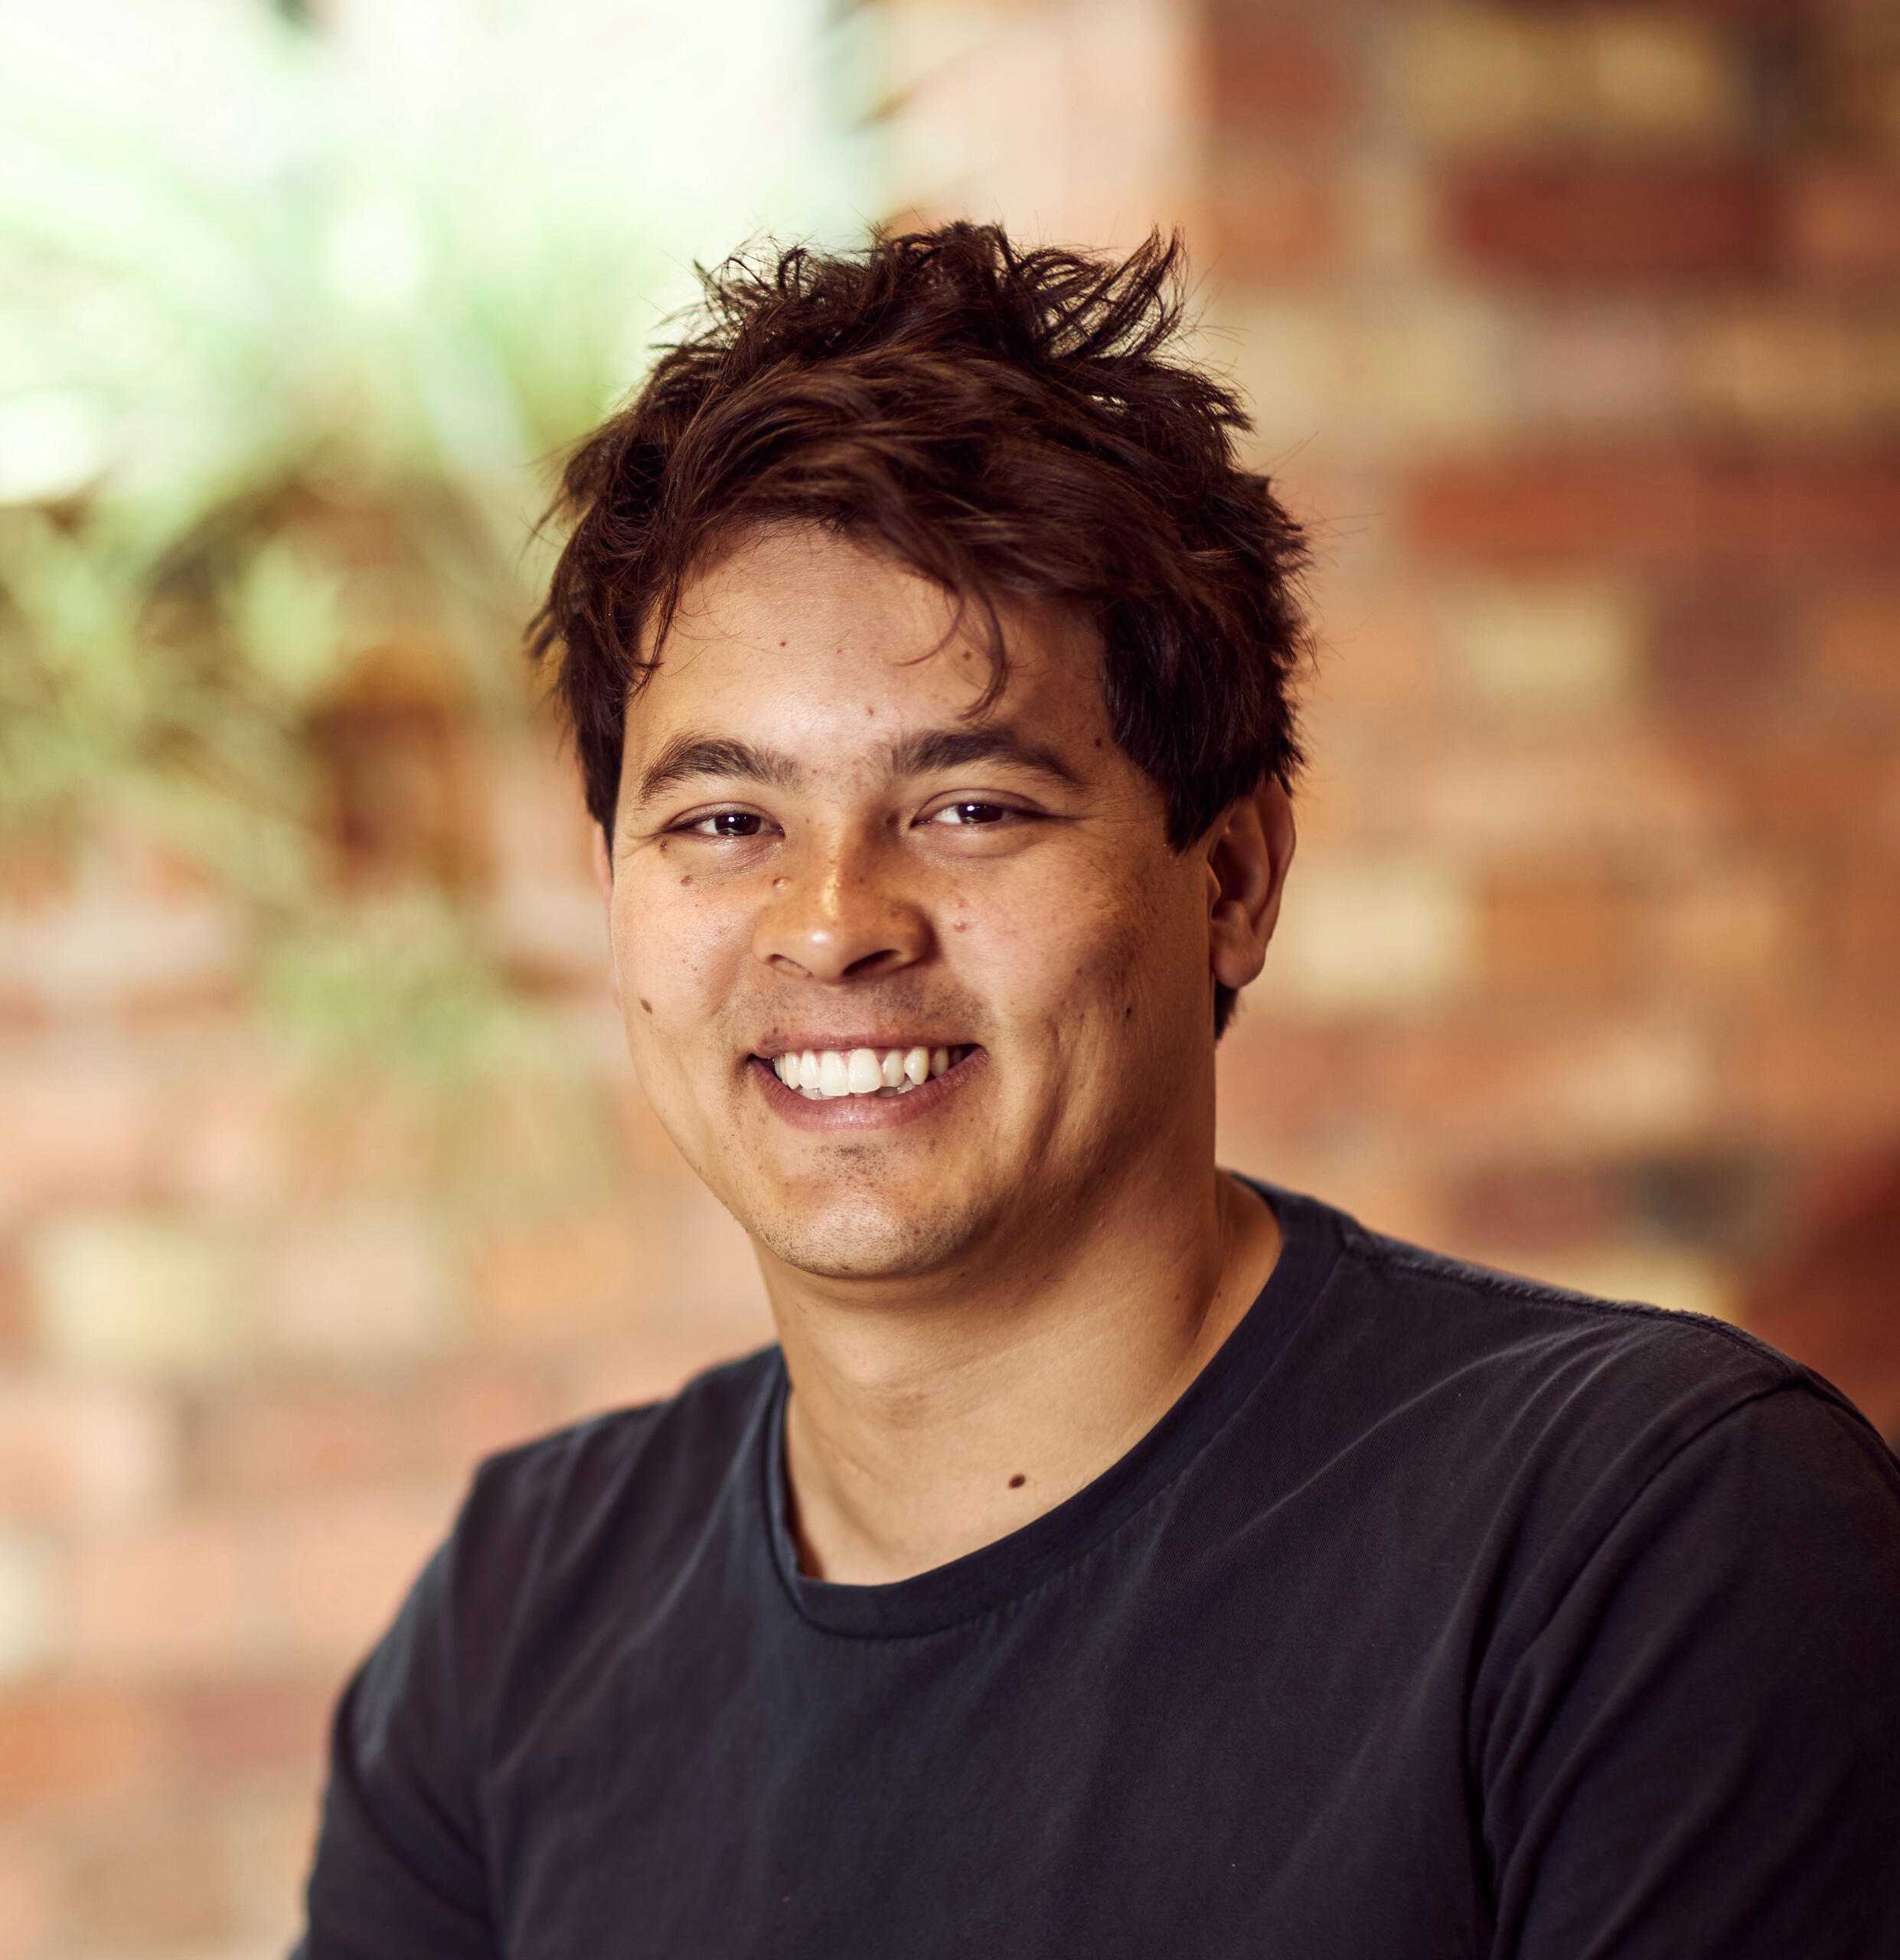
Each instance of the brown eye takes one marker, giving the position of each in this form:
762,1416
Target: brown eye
971,813
733,823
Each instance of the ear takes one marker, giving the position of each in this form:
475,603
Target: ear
1248,850
603,876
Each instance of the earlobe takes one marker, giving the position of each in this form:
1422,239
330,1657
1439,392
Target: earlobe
1249,850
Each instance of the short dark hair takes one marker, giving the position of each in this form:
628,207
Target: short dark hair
1012,424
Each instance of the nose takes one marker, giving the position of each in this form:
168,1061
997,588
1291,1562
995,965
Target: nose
836,912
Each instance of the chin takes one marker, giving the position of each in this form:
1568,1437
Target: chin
864,1234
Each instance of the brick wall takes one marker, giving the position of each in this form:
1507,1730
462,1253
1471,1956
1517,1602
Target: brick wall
258,1317
1576,333
1586,370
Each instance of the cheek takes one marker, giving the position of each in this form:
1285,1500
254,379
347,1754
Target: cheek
1090,954
675,948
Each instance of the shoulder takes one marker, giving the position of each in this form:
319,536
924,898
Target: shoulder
624,1496
677,1440
1540,1403
1568,1446
623,1484
1664,1561
1504,1330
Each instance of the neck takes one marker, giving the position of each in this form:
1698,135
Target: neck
922,1428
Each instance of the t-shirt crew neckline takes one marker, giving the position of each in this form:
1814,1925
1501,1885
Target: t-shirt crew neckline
996,1573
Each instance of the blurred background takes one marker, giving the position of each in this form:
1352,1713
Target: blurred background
1574,331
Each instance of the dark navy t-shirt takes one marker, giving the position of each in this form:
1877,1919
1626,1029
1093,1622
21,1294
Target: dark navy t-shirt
1444,1615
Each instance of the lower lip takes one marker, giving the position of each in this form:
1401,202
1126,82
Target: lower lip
858,1113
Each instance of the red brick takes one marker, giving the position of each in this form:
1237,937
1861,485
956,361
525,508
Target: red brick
1721,647
1546,1204
1376,662
1280,1083
328,1573
1628,790
1589,223
1271,219
1819,1082
1558,929
1400,1198
1725,10
234,1733
81,1452
264,1440
1796,783
367,1137
118,950
363,1284
542,1280
659,1360
1861,936
1666,511
1827,1298
269,1839
1552,1082
17,1327
73,1743
169,1600
1853,639
477,1410
73,1126
1733,931
226,1131
1608,365
30,1896
1270,78
1844,223
159,1883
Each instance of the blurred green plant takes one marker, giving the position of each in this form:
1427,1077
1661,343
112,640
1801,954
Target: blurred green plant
291,319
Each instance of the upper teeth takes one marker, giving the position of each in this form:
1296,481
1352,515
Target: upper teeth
820,1073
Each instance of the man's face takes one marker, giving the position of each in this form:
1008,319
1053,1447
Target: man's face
820,850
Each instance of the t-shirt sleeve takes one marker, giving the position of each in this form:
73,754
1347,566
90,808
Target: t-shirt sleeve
400,1869
1696,1753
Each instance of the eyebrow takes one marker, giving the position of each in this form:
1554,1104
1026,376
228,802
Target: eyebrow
954,748
932,750
691,755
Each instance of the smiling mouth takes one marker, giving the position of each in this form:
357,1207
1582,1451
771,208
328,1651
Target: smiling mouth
823,1075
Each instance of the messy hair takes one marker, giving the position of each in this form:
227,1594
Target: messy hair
1014,424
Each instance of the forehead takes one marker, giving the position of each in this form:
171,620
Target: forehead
794,629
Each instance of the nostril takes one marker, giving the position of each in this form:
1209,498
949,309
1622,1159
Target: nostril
872,964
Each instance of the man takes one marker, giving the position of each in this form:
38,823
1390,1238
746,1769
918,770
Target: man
1115,1556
